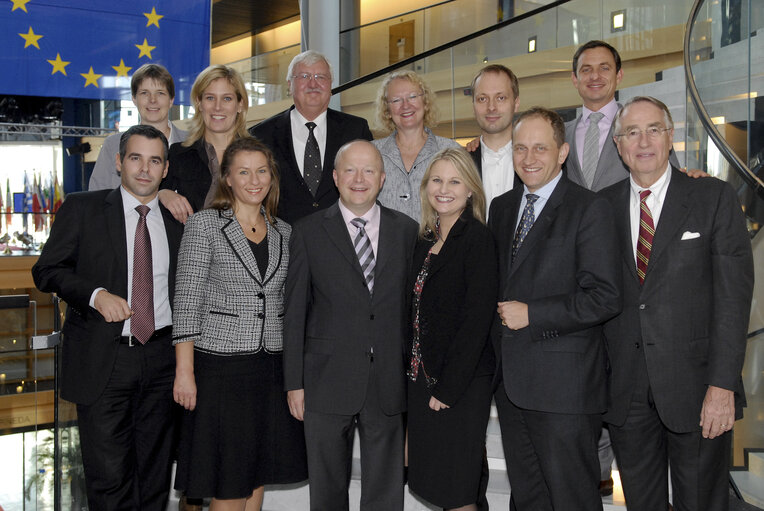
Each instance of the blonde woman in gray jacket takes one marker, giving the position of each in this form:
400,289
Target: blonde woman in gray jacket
237,434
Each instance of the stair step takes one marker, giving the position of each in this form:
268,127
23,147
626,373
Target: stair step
751,487
756,464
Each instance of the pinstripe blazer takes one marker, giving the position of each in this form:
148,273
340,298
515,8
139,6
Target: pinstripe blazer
221,303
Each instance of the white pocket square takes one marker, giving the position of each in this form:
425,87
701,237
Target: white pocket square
690,235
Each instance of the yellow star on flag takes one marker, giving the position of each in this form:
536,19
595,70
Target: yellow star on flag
121,69
91,78
30,39
145,48
20,4
59,66
153,17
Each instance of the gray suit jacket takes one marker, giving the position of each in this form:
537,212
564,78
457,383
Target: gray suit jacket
221,301
610,167
333,327
688,321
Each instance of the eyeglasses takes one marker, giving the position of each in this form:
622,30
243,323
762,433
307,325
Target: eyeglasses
306,77
411,98
635,134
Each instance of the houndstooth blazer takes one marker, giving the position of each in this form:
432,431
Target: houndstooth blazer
221,303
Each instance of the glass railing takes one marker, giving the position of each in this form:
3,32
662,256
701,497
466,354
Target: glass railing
724,56
265,75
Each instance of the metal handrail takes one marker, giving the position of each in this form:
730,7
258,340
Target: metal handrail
729,154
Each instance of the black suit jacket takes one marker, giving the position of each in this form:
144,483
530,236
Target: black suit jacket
477,157
189,173
689,319
567,272
457,307
295,200
86,250
332,324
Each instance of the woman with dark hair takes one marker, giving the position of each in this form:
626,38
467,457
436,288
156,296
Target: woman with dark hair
220,105
452,363
237,434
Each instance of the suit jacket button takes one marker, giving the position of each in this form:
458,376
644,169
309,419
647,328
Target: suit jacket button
636,345
261,295
261,315
315,204
642,306
371,317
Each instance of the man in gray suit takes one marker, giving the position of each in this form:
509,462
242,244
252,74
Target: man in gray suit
344,327
677,349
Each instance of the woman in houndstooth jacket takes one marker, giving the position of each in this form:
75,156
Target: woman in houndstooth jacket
237,432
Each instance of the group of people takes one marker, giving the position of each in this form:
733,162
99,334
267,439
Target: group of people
325,282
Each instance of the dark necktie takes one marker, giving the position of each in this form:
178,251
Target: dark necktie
312,164
364,251
142,297
646,233
526,222
591,148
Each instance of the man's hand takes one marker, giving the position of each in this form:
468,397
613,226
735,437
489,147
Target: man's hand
437,405
176,204
296,400
112,307
514,315
695,173
473,144
184,389
718,413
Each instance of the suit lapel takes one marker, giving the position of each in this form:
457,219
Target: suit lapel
507,226
174,231
284,146
451,244
623,224
609,158
115,222
540,226
235,236
674,211
335,228
572,165
333,144
276,250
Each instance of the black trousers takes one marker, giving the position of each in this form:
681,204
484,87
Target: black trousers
644,449
329,444
127,434
551,458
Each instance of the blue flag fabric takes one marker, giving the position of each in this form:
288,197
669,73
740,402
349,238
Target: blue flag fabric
90,48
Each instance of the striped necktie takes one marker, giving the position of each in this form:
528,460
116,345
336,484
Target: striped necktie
591,155
646,233
365,252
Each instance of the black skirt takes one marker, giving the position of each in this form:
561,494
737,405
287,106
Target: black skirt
241,434
445,448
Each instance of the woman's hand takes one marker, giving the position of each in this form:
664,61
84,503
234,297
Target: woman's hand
437,405
176,204
184,389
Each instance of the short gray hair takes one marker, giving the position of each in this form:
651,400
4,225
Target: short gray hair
667,119
308,58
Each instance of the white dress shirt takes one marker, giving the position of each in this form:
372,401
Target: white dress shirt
497,169
654,202
300,134
608,111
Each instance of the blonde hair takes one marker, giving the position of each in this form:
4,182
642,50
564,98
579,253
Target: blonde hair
384,120
465,166
201,83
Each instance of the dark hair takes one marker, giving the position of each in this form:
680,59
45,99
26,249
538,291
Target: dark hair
498,69
143,130
152,72
552,117
596,44
224,198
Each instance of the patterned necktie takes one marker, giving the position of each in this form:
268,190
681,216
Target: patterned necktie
142,297
646,233
364,251
312,164
526,222
591,148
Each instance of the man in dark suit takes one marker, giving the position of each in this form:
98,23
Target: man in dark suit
305,138
495,98
677,349
560,280
111,257
344,327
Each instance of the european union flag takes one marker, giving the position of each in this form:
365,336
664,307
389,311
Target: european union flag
89,48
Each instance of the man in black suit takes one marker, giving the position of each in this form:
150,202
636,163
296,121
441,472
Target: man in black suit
677,349
560,280
495,99
305,138
344,335
111,257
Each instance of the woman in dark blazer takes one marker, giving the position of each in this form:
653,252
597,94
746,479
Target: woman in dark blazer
452,363
220,104
238,434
